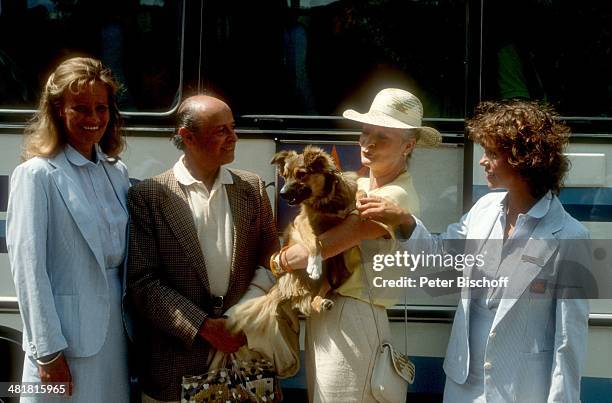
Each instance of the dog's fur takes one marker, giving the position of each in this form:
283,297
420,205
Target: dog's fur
326,196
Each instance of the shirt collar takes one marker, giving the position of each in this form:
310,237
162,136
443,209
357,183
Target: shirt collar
183,176
77,159
538,210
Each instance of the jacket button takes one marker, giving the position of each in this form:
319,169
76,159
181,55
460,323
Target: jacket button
488,365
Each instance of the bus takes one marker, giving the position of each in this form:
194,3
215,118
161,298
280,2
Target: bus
288,68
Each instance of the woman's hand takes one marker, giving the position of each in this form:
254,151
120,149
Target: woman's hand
296,256
386,212
56,372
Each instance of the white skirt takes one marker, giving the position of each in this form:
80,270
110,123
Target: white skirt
341,347
100,378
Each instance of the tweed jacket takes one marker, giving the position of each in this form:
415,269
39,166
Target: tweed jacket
167,278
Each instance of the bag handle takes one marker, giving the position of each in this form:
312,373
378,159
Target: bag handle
367,281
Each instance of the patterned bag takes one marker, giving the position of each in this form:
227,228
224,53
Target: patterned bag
251,380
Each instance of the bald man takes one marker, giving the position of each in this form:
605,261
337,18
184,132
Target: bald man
197,233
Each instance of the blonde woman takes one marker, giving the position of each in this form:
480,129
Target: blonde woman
66,237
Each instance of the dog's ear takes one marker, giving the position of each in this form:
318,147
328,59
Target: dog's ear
320,164
318,160
280,157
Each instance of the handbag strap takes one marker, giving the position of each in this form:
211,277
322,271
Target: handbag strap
364,275
367,281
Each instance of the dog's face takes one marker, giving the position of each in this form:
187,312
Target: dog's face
306,175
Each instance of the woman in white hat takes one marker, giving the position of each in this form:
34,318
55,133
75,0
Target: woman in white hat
342,343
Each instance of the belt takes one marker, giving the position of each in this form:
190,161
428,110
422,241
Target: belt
216,306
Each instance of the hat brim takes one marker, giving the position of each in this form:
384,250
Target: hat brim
428,136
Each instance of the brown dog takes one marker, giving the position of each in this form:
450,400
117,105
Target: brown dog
326,197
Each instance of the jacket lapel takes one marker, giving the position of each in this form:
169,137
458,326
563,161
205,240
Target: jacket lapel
120,185
175,208
241,213
76,202
475,241
531,259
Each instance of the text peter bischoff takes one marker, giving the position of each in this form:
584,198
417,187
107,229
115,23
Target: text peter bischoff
411,262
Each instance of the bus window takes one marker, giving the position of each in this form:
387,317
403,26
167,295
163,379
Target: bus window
551,51
305,57
138,39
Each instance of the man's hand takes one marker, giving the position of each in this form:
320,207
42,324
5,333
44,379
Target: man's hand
215,332
382,210
57,372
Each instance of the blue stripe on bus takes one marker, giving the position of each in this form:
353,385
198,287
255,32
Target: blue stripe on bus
584,204
430,380
596,390
429,377
3,236
298,381
4,191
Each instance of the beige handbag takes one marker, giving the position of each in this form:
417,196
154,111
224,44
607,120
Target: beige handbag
392,371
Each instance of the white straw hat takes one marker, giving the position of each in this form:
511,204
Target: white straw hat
396,108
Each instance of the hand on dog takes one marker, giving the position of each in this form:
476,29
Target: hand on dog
215,332
384,211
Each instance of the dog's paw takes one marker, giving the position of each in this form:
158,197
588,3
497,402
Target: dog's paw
327,304
320,304
314,267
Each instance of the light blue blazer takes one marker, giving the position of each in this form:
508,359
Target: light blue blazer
536,348
56,257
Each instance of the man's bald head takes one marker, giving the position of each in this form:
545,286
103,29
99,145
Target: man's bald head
194,114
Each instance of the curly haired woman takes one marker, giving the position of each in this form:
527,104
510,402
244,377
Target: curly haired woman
525,342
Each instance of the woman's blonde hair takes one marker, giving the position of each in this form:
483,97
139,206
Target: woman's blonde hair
45,135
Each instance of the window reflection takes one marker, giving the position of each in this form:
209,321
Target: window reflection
550,50
138,40
317,57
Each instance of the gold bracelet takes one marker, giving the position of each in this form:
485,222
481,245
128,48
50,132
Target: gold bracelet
43,363
275,268
285,266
